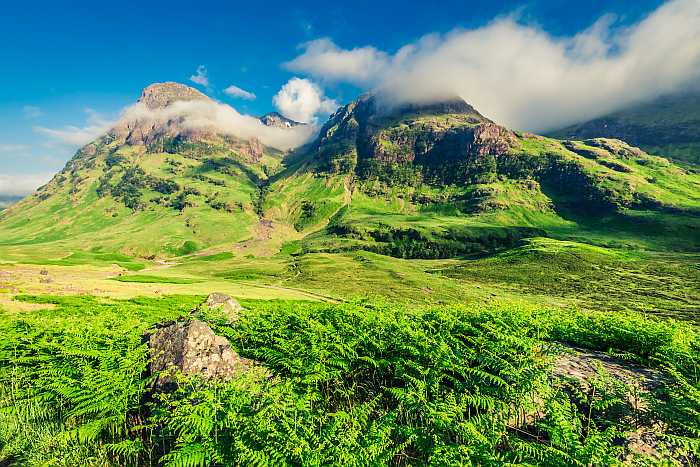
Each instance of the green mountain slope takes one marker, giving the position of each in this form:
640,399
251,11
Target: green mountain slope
147,189
668,126
433,181
443,181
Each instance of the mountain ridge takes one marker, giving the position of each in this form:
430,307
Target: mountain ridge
275,119
433,180
668,126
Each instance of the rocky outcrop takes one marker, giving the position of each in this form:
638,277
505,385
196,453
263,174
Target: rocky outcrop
192,348
150,124
276,120
411,142
490,138
227,305
161,95
253,149
584,365
155,124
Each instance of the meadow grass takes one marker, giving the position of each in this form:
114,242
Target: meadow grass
144,278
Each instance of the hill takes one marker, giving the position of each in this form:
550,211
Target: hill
274,119
384,200
443,181
151,185
668,126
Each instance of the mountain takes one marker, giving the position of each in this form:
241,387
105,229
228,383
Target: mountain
153,184
668,126
274,119
414,181
441,180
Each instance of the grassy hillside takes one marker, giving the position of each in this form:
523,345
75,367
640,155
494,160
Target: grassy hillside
668,126
141,203
426,185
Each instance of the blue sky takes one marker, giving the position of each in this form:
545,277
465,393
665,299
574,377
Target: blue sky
77,64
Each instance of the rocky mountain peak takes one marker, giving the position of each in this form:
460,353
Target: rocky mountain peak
164,131
455,105
160,95
277,120
377,107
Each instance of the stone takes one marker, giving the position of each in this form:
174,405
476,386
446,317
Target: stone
583,365
228,305
489,138
253,149
192,348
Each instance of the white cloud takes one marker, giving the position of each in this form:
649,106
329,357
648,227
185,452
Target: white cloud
235,91
22,184
302,100
201,77
72,135
326,61
32,111
522,77
210,115
202,114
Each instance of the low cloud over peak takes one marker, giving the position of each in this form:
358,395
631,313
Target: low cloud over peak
519,75
195,114
303,101
221,118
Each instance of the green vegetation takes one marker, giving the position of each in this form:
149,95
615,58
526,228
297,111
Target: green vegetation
354,384
95,258
142,278
215,257
114,199
596,278
453,267
668,126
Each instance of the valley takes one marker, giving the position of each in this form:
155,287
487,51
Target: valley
411,282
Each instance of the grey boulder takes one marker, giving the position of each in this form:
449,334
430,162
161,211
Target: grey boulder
192,348
228,305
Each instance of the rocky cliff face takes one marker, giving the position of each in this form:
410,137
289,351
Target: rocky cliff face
150,125
425,142
161,95
159,123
